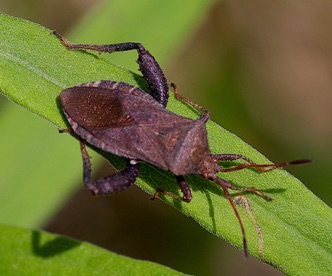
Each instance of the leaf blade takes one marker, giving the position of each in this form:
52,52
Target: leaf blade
36,253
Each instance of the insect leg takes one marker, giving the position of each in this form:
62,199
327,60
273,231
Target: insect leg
111,184
206,113
185,189
246,189
66,130
149,67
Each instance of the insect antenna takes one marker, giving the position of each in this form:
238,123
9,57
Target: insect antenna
264,167
225,185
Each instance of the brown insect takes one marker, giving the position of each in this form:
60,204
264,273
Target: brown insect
124,120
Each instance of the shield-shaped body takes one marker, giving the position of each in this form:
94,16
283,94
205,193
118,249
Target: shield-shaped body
124,120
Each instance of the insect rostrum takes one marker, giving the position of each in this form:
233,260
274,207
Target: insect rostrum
124,120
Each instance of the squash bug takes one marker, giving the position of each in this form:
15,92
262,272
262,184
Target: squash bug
124,120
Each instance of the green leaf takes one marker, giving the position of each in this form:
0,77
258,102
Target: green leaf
295,227
38,253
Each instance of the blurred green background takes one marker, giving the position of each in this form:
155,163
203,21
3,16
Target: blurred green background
264,69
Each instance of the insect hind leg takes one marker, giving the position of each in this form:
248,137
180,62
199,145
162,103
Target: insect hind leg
149,67
117,182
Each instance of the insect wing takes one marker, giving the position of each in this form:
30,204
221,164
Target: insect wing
93,108
125,124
